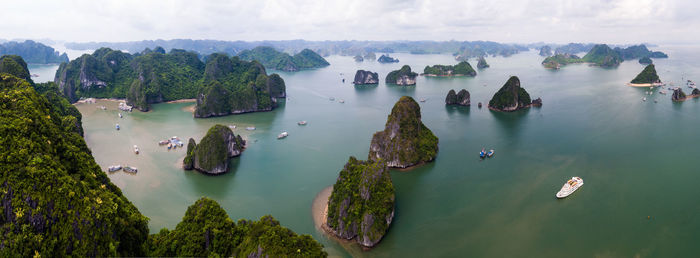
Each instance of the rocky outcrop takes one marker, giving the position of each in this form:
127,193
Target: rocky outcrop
462,98
405,140
358,58
648,75
678,95
365,77
403,76
511,97
695,92
645,60
481,64
361,206
212,154
546,51
461,69
387,59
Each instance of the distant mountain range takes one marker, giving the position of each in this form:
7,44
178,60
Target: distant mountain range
33,52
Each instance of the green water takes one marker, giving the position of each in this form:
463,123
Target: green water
637,158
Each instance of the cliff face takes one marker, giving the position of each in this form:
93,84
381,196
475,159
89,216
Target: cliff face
361,205
365,77
234,86
405,141
207,231
56,200
482,63
403,76
462,98
510,97
212,154
678,95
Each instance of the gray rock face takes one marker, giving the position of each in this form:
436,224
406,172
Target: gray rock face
212,154
462,98
365,77
678,95
406,80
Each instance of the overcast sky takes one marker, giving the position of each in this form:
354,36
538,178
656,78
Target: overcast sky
521,21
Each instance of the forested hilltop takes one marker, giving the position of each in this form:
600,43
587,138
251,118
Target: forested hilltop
154,76
57,201
273,59
33,52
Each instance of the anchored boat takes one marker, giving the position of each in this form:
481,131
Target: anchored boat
302,122
482,153
282,135
114,168
131,169
570,187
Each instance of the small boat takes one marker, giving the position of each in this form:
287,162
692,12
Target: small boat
282,135
250,128
479,105
422,100
341,101
117,126
120,115
490,153
482,154
644,99
163,142
232,126
302,122
343,80
136,149
570,187
131,169
114,168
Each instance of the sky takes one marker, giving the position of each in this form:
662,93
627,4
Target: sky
516,21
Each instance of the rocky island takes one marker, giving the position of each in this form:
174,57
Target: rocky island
363,77
233,86
482,64
645,60
679,96
359,58
405,141
403,76
370,56
461,69
212,154
361,205
273,59
559,60
387,59
512,97
603,56
646,78
460,99
545,51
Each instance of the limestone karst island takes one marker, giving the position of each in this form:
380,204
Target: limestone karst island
349,128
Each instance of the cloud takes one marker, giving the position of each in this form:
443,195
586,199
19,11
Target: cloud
619,21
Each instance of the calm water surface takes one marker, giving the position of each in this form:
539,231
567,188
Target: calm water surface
639,160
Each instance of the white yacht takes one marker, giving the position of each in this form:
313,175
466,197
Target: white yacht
570,187
282,135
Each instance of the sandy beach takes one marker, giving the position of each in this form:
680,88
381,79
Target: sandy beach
181,101
319,208
644,85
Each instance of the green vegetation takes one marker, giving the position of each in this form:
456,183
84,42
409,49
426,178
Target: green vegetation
461,69
558,60
207,231
645,60
361,205
403,76
15,65
277,60
56,199
462,98
638,51
152,77
481,64
405,141
33,52
510,97
648,75
603,56
212,154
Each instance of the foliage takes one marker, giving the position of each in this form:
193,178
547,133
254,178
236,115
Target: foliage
15,65
555,61
33,52
461,98
57,201
462,68
603,56
639,51
648,75
188,162
277,60
405,70
207,231
212,150
510,97
362,194
411,142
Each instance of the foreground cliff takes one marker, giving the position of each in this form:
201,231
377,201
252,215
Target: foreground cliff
233,86
512,97
403,76
56,200
361,206
405,141
207,231
363,77
212,154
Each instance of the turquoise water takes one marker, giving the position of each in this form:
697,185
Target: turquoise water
45,72
637,159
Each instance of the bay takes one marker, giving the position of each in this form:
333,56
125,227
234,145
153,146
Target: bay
637,158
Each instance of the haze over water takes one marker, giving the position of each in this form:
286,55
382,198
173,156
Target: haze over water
638,159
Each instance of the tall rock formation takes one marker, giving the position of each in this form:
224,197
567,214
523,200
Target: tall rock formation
462,98
403,76
365,77
511,97
212,154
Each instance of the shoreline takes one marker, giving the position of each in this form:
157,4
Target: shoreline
319,213
181,101
644,85
687,97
